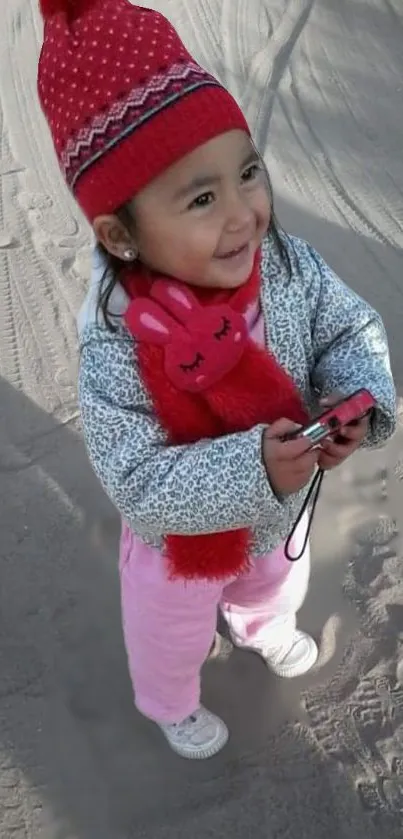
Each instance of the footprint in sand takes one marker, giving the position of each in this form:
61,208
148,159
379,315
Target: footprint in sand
398,470
6,239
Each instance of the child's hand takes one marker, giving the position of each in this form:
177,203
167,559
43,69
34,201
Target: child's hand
289,464
334,452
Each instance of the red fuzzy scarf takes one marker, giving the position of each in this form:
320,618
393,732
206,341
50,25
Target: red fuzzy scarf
206,378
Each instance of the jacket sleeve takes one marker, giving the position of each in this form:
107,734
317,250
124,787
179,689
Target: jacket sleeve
349,345
209,486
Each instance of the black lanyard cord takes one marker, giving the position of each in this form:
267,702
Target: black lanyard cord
311,498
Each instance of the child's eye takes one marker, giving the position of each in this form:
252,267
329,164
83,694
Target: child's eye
202,200
251,173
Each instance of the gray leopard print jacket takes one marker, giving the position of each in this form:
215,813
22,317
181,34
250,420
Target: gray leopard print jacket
325,335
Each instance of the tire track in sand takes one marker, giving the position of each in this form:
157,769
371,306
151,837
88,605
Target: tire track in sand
9,344
265,68
40,284
244,45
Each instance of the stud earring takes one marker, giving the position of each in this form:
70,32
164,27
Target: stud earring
130,254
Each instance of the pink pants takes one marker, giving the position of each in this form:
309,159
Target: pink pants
169,625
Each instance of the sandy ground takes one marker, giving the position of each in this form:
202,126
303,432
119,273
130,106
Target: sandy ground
323,758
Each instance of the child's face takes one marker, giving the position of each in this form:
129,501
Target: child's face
203,219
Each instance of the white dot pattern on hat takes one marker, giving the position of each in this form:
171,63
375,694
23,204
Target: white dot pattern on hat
128,43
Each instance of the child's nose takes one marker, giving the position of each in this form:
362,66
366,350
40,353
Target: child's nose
239,213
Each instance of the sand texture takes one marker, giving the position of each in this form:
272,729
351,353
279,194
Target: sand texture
322,758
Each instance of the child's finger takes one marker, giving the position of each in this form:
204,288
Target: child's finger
332,399
285,449
306,462
355,432
326,461
338,451
280,428
293,450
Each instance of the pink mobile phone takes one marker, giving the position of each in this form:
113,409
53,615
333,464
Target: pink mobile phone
346,412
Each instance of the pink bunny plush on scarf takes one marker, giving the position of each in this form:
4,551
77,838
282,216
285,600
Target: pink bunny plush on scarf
202,343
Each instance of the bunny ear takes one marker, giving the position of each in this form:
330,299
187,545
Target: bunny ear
176,298
148,322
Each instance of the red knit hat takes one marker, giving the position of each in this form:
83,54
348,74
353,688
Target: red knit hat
123,98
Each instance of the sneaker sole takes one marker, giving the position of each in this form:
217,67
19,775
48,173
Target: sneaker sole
201,754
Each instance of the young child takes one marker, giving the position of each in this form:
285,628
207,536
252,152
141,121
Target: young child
207,335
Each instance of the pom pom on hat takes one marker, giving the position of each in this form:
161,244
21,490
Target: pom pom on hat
55,7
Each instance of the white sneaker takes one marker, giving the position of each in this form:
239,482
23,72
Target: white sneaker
199,736
295,658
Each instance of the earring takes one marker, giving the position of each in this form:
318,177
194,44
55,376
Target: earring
130,254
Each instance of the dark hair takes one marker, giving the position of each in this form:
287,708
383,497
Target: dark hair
115,266
113,270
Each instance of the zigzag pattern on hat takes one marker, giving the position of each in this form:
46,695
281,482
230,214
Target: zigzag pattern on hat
128,113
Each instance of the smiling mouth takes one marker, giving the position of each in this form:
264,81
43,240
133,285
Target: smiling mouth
235,252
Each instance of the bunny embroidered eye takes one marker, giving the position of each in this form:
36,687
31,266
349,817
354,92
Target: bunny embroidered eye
225,329
188,368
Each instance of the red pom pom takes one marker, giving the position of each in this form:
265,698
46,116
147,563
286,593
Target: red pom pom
71,8
53,7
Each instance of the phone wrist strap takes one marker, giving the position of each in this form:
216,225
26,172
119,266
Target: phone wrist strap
311,499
